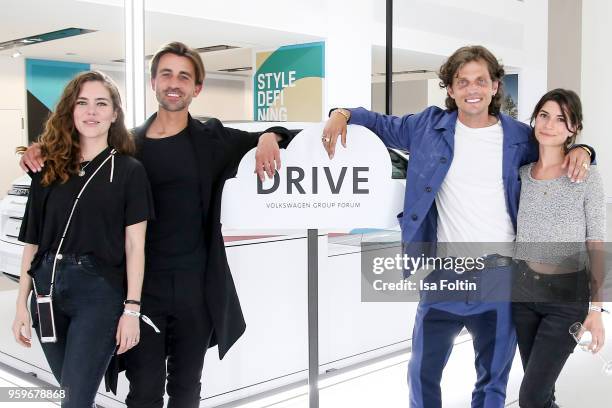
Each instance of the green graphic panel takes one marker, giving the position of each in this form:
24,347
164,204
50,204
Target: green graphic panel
282,69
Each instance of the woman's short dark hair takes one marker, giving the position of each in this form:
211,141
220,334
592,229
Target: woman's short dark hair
571,109
468,54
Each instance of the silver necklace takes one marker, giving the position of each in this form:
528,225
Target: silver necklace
82,171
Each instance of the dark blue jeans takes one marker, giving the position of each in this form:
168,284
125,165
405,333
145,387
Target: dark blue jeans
441,315
86,311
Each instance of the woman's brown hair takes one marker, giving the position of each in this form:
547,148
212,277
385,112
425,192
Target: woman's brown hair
59,142
571,109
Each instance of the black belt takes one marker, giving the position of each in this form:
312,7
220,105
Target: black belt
497,261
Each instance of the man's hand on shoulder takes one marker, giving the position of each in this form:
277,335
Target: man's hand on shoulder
32,159
578,162
267,156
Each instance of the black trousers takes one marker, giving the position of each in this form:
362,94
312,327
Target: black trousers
542,330
173,299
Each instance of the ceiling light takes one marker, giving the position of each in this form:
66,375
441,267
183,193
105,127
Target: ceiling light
238,69
212,48
40,38
415,71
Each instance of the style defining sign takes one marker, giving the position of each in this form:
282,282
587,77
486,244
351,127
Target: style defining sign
353,190
288,83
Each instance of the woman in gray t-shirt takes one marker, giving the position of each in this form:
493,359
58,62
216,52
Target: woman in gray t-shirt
561,226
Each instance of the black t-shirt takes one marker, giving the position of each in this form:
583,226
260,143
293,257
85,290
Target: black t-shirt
173,172
104,210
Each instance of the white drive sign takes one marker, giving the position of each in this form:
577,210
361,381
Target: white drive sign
353,190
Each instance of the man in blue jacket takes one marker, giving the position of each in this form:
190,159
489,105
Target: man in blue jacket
462,185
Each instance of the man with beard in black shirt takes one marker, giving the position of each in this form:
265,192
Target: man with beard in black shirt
188,291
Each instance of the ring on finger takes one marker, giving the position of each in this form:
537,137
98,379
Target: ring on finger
325,139
585,165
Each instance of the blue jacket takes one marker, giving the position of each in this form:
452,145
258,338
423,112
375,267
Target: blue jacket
429,136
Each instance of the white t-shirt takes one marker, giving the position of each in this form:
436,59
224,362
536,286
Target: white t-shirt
471,201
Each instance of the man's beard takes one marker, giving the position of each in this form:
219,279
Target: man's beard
180,105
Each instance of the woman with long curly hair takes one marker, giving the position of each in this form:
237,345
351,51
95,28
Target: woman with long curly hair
84,229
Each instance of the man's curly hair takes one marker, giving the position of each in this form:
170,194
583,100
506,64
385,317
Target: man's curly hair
462,56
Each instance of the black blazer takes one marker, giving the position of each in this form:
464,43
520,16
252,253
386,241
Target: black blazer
218,151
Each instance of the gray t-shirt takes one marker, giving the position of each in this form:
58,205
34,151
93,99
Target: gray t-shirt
556,217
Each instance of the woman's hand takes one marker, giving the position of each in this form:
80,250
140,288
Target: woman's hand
128,333
594,324
334,127
22,326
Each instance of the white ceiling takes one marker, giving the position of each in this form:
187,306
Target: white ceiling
23,18
31,17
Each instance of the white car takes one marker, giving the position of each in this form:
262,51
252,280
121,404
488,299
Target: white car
12,208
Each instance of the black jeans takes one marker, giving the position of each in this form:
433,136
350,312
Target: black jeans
86,311
173,298
542,330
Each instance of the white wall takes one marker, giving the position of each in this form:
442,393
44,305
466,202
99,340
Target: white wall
408,96
12,82
564,44
306,17
596,86
12,107
223,98
435,95
533,61
348,54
